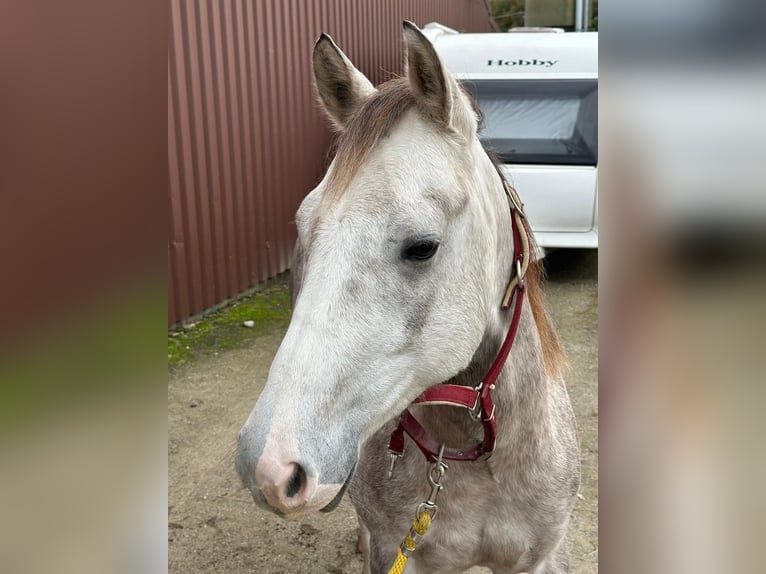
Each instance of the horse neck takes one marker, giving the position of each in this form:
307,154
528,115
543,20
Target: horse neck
520,393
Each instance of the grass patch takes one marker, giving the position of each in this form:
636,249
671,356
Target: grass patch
99,351
268,308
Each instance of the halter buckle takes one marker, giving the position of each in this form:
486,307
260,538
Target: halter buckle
485,455
475,411
491,415
393,457
519,276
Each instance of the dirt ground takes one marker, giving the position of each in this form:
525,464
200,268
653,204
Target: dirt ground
213,524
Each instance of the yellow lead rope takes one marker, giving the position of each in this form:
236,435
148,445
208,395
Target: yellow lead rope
419,527
423,516
399,563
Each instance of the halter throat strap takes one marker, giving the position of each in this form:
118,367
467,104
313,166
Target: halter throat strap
478,399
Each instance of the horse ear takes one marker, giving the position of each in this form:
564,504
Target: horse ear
438,94
340,85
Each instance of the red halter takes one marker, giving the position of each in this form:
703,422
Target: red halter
478,400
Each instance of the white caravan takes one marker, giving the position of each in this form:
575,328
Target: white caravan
539,95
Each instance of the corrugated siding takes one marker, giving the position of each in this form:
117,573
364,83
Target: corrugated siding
246,141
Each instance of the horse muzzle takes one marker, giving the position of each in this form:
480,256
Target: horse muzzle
281,480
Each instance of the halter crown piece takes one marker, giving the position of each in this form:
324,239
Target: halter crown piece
478,399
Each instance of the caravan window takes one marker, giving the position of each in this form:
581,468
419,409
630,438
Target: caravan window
539,121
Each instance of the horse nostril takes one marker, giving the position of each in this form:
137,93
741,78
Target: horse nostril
296,482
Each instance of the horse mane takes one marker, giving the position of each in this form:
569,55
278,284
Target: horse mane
373,121
554,357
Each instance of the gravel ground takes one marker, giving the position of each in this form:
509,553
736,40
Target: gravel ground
213,524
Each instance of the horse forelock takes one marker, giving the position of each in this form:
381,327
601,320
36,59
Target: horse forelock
367,126
375,119
370,123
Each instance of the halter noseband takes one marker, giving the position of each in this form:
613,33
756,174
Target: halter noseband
478,399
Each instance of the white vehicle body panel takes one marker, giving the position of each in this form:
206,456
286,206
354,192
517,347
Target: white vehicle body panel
557,198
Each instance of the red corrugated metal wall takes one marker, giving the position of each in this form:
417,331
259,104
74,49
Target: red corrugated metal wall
246,141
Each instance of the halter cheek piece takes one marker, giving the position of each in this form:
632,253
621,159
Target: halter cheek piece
478,399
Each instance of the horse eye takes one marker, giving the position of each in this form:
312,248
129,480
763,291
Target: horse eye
421,250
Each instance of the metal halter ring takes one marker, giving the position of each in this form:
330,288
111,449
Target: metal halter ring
431,509
437,469
435,473
519,276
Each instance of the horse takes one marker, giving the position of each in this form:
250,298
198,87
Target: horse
407,252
